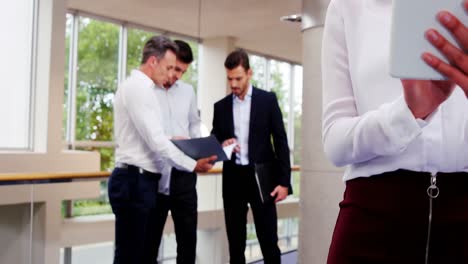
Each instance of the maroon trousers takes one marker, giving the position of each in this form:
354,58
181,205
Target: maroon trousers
385,219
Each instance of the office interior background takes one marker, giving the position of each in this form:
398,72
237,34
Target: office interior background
61,63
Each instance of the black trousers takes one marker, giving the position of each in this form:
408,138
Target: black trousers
385,219
132,196
183,203
265,218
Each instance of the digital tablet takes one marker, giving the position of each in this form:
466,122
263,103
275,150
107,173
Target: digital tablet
410,19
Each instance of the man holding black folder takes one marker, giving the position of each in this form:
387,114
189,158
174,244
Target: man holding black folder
258,173
177,188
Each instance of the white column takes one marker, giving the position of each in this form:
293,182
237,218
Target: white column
212,242
50,75
212,75
321,183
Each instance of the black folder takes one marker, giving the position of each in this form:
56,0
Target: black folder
198,148
267,177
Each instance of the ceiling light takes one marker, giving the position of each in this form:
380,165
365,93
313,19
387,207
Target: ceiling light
292,18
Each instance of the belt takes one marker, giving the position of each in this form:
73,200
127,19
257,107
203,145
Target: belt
136,168
244,166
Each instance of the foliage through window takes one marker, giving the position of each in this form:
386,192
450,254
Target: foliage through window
98,50
136,39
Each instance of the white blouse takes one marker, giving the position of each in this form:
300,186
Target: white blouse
367,124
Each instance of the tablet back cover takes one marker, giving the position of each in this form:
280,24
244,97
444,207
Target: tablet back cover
410,19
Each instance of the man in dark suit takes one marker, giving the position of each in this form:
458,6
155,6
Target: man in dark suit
251,118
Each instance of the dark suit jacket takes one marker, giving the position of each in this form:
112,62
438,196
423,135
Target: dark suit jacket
266,125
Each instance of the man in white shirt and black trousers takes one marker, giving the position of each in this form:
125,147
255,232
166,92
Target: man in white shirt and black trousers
142,151
177,191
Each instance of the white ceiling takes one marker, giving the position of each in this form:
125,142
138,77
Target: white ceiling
254,24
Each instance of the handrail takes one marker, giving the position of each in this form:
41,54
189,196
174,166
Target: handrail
54,176
4,177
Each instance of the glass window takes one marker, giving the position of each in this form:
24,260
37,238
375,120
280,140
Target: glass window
279,82
100,205
96,80
295,182
107,154
136,40
16,25
92,206
66,97
288,234
98,49
287,238
258,66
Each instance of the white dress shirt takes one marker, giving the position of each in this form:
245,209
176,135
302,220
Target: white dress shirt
179,114
367,124
241,114
139,130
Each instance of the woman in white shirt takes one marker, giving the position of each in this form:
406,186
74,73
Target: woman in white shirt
405,145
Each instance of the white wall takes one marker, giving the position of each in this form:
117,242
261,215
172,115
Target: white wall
212,75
